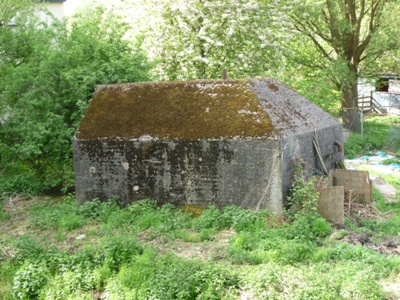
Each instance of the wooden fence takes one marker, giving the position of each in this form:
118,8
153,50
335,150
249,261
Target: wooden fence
368,103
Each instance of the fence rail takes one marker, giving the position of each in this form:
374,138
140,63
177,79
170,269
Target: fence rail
368,103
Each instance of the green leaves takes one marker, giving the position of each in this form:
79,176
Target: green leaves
197,39
49,78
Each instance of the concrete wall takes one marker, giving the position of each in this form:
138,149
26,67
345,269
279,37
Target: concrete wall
56,9
389,101
241,172
300,148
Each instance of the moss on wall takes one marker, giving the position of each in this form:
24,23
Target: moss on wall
175,110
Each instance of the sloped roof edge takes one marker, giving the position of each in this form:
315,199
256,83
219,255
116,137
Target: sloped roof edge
201,109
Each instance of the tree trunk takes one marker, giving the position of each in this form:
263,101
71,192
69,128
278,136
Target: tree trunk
350,112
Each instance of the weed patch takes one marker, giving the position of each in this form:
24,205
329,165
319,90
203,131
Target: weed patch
138,252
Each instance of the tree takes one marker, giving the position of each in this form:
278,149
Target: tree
9,9
48,78
196,39
348,36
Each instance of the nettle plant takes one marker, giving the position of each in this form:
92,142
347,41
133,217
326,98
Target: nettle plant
303,196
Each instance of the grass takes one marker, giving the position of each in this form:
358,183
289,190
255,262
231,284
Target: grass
378,135
147,252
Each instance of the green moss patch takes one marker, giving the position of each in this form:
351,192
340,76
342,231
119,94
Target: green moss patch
175,110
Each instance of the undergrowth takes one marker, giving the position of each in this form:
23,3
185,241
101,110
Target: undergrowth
378,134
267,256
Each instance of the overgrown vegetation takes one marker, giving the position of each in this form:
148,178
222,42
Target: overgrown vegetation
56,249
49,73
53,248
378,135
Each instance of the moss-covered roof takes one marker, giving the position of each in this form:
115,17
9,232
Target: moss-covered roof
188,110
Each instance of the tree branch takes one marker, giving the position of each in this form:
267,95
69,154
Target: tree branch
305,31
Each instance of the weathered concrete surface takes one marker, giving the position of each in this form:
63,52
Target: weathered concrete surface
200,142
198,172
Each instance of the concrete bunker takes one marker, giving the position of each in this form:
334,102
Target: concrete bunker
220,142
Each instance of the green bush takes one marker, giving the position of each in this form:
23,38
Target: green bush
211,218
245,248
20,180
68,283
48,78
119,250
179,279
29,280
167,277
387,227
390,161
354,146
99,210
302,195
307,227
231,216
294,251
27,248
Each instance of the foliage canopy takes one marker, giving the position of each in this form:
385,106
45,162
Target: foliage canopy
50,72
350,38
196,39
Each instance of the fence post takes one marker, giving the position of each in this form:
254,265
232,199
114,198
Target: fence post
362,123
371,98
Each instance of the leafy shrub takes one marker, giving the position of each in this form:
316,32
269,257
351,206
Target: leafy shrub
294,251
245,248
353,146
251,248
180,279
308,227
388,227
141,207
211,218
229,217
119,250
27,248
67,282
244,219
89,257
29,280
302,195
390,161
98,210
20,181
145,213
172,220
48,78
321,227
169,277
